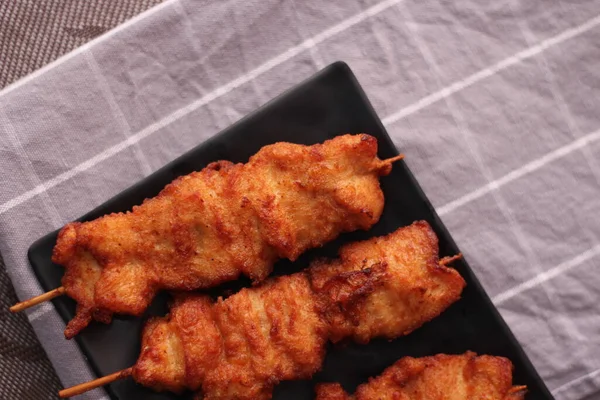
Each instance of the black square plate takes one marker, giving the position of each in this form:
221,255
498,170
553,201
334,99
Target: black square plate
328,104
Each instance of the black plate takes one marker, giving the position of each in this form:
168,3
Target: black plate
330,103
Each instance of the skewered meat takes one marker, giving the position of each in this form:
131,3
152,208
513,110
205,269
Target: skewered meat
211,226
240,347
441,377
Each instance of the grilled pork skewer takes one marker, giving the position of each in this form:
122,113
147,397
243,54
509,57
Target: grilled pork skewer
211,226
441,377
241,347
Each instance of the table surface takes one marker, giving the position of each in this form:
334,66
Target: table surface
495,105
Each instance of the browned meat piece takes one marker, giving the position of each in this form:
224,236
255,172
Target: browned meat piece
381,285
442,377
211,226
239,348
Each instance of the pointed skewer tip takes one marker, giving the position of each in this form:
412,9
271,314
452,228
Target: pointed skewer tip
87,386
393,159
447,260
59,291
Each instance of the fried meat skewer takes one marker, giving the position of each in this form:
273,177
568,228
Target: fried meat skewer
441,377
241,347
211,226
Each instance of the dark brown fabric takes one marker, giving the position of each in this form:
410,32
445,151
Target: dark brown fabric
25,372
32,34
36,32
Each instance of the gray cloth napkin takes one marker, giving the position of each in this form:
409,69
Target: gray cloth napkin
495,105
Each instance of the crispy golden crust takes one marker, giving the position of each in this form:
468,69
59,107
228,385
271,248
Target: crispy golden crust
271,333
228,219
441,377
411,286
161,364
331,391
239,348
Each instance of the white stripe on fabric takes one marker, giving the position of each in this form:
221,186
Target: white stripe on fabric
519,172
491,70
221,91
116,111
547,275
575,381
424,102
31,172
39,311
559,98
466,133
143,15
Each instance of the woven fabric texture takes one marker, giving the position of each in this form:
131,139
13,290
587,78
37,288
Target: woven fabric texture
34,33
25,372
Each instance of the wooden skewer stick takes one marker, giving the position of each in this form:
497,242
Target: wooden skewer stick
387,162
87,386
392,159
447,260
59,291
517,389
